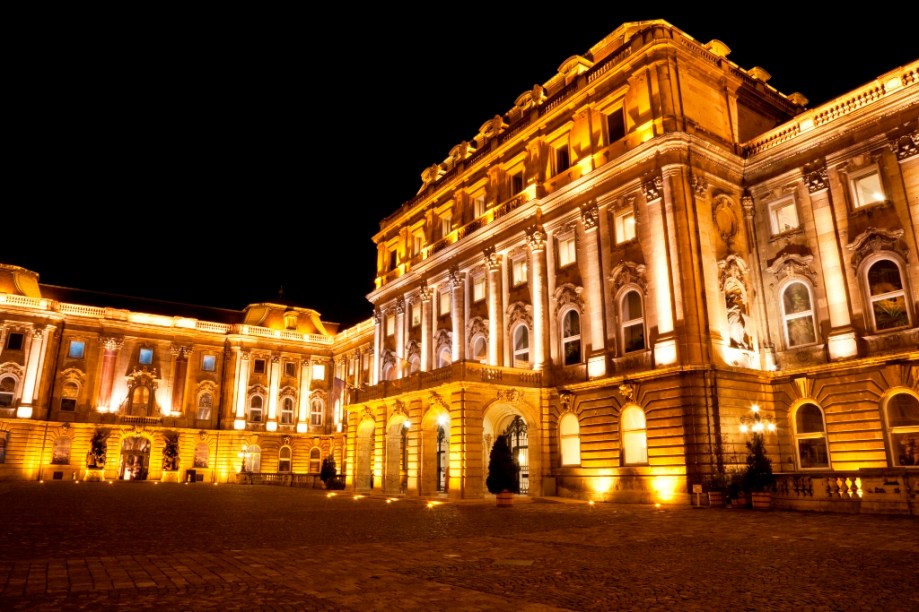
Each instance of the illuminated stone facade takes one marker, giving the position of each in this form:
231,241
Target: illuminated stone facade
621,266
614,272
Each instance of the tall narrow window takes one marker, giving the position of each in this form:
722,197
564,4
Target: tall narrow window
69,396
624,225
784,216
446,224
615,125
888,299
633,322
287,411
571,337
566,251
205,403
478,288
444,303
284,459
562,159
634,436
522,347
810,436
416,314
7,389
798,314
315,461
518,271
255,409
317,407
479,206
569,435
903,426
516,183
390,324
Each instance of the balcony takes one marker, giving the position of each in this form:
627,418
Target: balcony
464,371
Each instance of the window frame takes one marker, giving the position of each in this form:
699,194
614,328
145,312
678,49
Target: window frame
145,356
208,362
896,433
478,288
204,406
444,302
855,178
76,349
259,365
20,341
285,459
615,118
519,271
251,408
317,411
775,216
634,322
806,436
625,226
565,340
515,352
567,250
789,318
569,435
286,412
871,299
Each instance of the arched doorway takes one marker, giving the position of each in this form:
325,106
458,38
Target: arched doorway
135,458
509,416
397,454
363,456
434,454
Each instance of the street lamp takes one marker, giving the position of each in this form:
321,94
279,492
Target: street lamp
757,424
244,455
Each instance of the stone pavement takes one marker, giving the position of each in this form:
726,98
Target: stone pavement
145,546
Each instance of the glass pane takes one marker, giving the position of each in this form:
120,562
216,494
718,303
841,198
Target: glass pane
903,411
571,450
631,306
796,299
868,189
572,352
801,331
906,448
635,447
786,217
633,336
813,454
633,418
809,419
572,325
884,277
521,339
890,313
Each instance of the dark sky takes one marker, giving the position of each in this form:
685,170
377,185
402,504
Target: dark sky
213,158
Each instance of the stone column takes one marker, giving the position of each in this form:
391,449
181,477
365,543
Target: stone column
34,360
242,388
377,345
536,240
274,387
400,337
426,294
495,308
593,286
303,407
458,314
659,202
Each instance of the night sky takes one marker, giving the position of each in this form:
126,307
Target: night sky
214,158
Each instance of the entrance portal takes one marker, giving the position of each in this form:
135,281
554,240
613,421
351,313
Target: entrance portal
135,458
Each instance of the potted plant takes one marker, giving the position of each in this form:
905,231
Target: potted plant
502,479
328,474
758,478
95,458
717,487
171,456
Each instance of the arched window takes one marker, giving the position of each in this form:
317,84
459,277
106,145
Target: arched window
205,403
810,437
317,407
254,458
287,411
60,454
634,436
903,427
69,396
140,400
7,388
202,455
571,337
284,459
569,435
886,295
479,349
315,461
632,317
521,347
444,357
798,315
255,409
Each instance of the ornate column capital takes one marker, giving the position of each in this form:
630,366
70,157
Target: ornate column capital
653,188
111,343
590,215
491,259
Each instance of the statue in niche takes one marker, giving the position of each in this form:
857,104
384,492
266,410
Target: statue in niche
737,319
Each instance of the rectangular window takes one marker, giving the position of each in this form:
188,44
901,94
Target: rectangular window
444,303
145,357
393,258
6,399
784,216
390,324
478,289
416,314
516,183
209,363
290,368
615,125
566,251
259,366
318,371
518,271
76,349
446,225
866,188
68,404
562,159
14,341
479,206
417,243
4,438
624,225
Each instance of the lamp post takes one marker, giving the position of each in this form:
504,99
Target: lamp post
244,455
758,478
757,424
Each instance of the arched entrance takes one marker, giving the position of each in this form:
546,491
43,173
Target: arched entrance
396,473
135,458
509,417
435,451
363,456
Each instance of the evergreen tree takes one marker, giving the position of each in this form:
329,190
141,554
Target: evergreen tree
502,468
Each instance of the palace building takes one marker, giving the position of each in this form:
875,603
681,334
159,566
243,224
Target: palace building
644,255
